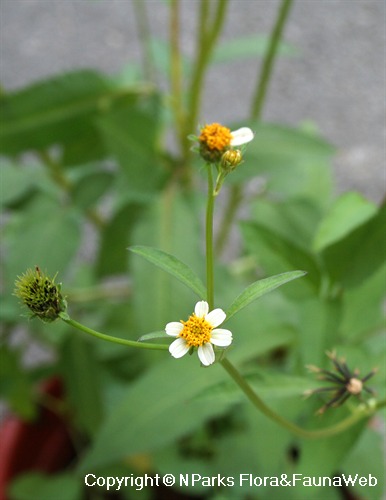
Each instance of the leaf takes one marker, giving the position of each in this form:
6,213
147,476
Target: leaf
90,188
247,47
130,136
173,266
260,288
115,236
47,235
58,110
294,162
276,253
368,458
15,183
80,370
153,335
349,211
143,420
15,385
358,255
44,487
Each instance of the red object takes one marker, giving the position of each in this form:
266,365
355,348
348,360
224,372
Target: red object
42,445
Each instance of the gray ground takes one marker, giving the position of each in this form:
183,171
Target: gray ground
337,81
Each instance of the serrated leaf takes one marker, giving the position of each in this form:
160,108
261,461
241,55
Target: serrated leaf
260,288
173,266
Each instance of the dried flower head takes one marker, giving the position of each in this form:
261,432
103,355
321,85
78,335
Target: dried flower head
40,294
345,382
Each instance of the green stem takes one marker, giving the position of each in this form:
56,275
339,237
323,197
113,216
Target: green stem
231,208
176,72
142,22
256,111
56,172
208,35
209,239
343,425
269,59
115,340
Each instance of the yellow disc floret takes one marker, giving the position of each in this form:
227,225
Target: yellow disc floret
214,140
196,331
215,136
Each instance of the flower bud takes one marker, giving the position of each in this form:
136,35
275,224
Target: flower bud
230,159
40,294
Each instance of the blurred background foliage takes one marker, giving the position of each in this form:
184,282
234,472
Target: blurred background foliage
93,163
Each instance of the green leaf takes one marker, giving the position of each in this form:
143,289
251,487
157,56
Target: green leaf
153,335
348,212
15,183
260,288
295,163
58,110
15,386
115,236
47,235
44,487
143,421
131,137
90,188
173,266
80,370
358,255
276,253
169,223
247,47
368,458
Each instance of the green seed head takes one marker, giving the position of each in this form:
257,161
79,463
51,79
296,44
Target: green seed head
40,294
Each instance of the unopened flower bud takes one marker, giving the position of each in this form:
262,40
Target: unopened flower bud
40,294
230,159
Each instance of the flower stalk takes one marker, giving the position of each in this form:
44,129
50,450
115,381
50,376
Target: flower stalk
109,338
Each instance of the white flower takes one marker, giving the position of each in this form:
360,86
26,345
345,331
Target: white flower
241,136
199,331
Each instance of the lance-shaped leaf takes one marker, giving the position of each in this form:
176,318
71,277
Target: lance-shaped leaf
173,266
260,288
153,335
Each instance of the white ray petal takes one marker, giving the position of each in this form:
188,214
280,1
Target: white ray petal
241,136
174,328
221,337
215,317
178,348
201,309
206,354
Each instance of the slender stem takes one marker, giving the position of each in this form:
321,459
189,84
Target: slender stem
56,172
256,111
142,22
115,340
208,35
176,71
360,413
209,239
231,208
268,62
